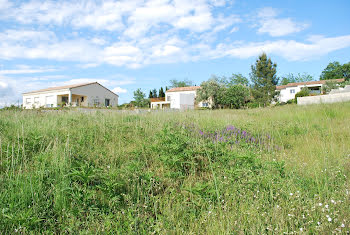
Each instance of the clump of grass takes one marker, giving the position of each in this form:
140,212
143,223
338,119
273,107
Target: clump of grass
106,172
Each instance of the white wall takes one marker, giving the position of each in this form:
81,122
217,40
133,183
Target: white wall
181,99
96,91
41,99
285,94
331,98
92,91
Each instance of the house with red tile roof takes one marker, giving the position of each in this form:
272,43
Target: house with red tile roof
86,94
287,92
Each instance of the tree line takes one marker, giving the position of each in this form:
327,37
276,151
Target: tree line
238,91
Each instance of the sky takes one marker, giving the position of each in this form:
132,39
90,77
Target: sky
131,44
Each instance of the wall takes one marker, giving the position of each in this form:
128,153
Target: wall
331,98
180,99
96,91
41,97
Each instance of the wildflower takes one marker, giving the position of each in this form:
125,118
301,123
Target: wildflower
318,223
342,225
301,229
320,204
329,219
332,201
291,194
326,206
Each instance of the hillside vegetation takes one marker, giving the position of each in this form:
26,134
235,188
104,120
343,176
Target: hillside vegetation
273,170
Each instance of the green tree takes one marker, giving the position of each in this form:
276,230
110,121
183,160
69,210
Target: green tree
235,96
154,92
211,89
150,94
264,79
140,100
290,78
238,78
335,70
161,92
184,83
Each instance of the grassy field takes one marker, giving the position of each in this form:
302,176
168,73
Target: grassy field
273,170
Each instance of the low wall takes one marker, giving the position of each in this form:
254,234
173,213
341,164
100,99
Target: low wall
331,98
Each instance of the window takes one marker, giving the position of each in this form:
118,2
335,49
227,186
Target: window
292,91
205,105
107,102
28,100
168,98
96,102
64,99
36,100
82,99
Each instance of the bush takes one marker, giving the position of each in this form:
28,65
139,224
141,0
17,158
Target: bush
304,92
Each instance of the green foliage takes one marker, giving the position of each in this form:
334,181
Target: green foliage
238,79
224,93
335,70
303,92
140,100
212,89
291,78
154,93
326,88
121,173
161,92
178,83
236,96
264,80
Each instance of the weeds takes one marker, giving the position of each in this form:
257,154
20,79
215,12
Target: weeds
276,170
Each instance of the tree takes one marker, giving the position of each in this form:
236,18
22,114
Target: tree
150,95
166,88
264,79
336,70
238,78
154,92
139,97
290,78
184,83
161,92
211,89
235,96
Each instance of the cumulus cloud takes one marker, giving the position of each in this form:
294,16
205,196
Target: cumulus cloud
119,90
275,27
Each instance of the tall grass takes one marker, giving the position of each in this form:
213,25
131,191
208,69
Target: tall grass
147,173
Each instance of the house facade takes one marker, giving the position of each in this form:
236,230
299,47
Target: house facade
87,95
179,98
287,92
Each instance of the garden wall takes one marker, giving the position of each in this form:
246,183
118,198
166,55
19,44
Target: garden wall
331,98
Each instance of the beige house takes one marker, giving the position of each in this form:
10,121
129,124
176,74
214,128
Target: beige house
86,94
179,98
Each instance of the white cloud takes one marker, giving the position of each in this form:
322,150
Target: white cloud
25,69
119,90
275,27
289,49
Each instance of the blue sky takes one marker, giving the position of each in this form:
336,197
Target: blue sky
130,44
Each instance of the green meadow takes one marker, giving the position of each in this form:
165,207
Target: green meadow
272,170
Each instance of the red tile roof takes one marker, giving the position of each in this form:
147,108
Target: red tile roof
61,87
308,83
187,88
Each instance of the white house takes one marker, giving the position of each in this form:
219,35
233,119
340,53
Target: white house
179,98
287,92
87,94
